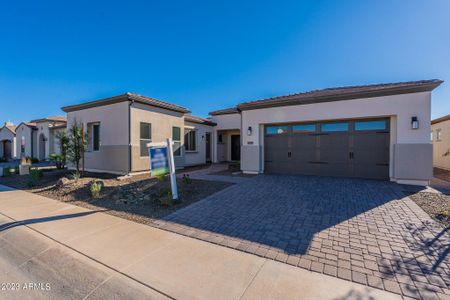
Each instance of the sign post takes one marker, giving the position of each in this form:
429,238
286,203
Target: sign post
162,162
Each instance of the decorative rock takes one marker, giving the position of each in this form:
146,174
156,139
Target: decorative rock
62,181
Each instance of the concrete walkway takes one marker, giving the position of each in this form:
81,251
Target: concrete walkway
149,262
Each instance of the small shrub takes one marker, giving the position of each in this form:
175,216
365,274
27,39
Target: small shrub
160,177
76,175
96,188
35,175
186,179
6,171
58,159
166,198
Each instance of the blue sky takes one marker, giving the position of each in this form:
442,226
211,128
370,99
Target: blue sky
206,55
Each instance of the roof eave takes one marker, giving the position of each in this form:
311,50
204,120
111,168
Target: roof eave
349,96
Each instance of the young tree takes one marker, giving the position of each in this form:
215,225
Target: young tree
63,140
75,145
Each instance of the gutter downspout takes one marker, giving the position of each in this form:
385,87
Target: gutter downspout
129,136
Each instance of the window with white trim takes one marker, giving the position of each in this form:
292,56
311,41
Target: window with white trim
145,138
438,135
190,139
176,137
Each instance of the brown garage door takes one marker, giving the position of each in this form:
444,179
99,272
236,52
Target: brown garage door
350,148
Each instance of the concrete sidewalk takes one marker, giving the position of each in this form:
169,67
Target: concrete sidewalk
176,266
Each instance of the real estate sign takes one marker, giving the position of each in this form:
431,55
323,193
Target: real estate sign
162,162
159,162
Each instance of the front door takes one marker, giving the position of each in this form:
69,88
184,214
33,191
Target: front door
208,146
235,147
7,149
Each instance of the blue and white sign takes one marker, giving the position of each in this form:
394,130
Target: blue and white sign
162,162
159,162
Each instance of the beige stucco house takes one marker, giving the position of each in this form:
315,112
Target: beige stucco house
38,138
441,142
120,127
379,131
8,141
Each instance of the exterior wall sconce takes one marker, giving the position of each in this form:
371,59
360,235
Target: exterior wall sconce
414,123
249,130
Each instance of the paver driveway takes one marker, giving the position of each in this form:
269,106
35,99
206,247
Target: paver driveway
360,230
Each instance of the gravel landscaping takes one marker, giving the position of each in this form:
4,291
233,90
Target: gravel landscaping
139,198
434,204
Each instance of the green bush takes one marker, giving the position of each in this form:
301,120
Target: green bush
166,198
76,175
160,177
35,176
96,188
58,159
186,179
7,171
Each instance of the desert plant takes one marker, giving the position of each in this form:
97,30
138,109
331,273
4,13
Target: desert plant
6,171
76,175
96,188
76,145
58,159
63,140
160,177
35,175
166,198
186,179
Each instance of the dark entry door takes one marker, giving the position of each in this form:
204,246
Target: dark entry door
235,147
349,148
208,146
7,149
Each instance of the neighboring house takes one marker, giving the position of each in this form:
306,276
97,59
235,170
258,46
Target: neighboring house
38,138
379,131
119,129
8,141
441,142
26,144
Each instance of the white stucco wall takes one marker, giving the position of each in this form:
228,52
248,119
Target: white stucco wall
113,155
6,134
198,156
162,121
228,121
24,133
441,149
400,109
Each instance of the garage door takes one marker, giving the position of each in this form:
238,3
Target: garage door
354,148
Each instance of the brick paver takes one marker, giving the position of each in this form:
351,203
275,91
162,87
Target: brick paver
360,230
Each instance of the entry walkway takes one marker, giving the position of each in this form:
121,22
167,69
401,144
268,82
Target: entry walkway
167,264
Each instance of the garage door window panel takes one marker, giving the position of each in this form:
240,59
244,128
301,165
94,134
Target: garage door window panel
273,130
334,127
370,125
304,128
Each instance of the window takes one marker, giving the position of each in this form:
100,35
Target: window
190,140
330,127
96,137
304,128
145,137
438,135
176,137
276,129
220,138
370,125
